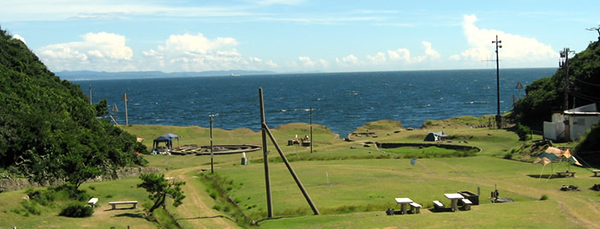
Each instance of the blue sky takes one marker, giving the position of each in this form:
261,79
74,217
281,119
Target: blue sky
298,35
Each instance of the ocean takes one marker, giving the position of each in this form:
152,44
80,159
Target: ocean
341,101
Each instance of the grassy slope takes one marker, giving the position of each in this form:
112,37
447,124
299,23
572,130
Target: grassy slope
362,187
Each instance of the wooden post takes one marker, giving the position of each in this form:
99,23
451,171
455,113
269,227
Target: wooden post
211,145
265,131
91,103
312,141
265,154
289,167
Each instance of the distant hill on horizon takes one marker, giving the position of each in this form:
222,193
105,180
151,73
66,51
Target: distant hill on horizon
94,75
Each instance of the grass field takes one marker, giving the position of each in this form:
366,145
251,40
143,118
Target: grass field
352,185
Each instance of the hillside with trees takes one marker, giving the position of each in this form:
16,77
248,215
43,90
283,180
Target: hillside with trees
581,78
48,129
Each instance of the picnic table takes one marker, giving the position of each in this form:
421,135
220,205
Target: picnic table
566,174
403,202
454,197
595,172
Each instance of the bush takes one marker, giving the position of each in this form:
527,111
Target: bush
31,207
77,210
523,132
544,197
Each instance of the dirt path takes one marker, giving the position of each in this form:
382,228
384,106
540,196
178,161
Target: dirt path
195,212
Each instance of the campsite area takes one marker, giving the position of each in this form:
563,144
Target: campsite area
352,183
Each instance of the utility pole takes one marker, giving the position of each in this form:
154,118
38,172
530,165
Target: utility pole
565,63
91,103
211,145
265,153
311,135
498,116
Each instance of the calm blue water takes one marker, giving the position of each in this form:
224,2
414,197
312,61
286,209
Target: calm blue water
341,101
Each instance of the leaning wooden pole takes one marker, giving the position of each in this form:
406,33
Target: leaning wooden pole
265,154
287,164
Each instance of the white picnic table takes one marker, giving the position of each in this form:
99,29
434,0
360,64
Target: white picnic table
403,202
454,197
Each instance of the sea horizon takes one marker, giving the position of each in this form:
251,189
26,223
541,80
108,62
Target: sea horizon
340,101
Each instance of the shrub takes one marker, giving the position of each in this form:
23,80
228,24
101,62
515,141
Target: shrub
31,207
45,198
77,210
544,197
523,132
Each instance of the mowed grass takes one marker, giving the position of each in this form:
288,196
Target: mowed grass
103,217
366,188
351,185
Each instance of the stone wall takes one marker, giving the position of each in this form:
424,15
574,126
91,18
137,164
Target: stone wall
10,184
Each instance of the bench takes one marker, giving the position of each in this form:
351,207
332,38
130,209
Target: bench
92,202
437,205
415,208
467,204
595,172
114,204
566,174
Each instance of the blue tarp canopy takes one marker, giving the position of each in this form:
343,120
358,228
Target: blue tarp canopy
167,139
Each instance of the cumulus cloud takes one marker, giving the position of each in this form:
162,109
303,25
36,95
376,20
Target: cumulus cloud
193,53
516,48
309,64
97,51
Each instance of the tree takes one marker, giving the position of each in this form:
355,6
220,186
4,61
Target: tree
160,188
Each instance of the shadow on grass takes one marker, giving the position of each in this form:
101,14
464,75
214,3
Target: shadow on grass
545,176
131,215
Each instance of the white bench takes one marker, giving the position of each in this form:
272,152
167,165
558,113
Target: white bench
595,172
415,208
467,204
92,202
437,205
114,204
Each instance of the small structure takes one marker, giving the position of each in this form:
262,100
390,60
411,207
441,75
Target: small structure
114,204
571,124
92,202
167,139
454,197
435,136
403,203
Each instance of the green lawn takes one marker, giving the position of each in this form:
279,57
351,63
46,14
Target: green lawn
351,185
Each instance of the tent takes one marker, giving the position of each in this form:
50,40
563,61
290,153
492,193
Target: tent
166,138
553,154
435,136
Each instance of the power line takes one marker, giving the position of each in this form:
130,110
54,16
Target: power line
588,83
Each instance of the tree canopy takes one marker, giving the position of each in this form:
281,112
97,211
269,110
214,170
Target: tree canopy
546,95
48,129
159,188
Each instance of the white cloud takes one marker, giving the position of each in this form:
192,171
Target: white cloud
97,51
400,54
308,64
429,52
18,37
377,59
195,53
515,49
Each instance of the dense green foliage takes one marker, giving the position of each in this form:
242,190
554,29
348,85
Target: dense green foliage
546,95
590,146
48,129
159,188
523,132
77,210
